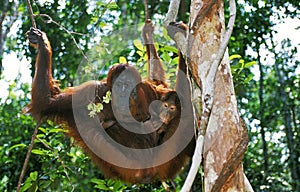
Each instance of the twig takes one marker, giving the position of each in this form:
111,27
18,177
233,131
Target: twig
28,155
50,20
146,10
31,14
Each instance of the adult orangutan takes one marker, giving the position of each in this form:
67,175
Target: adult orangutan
125,140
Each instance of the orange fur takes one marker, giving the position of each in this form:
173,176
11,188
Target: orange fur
49,102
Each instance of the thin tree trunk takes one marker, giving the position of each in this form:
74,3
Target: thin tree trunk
262,116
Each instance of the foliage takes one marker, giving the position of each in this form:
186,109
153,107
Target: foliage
13,138
241,73
268,159
56,164
98,107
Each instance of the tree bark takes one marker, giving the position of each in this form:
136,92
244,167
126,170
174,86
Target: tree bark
224,134
225,139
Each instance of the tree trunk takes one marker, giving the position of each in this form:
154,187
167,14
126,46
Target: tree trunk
225,139
262,116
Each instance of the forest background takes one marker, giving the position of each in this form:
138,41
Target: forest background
264,62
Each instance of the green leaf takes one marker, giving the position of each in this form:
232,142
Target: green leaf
156,45
17,145
34,187
170,49
166,57
249,78
249,64
45,141
165,34
112,5
235,67
175,60
92,114
34,176
45,184
26,186
57,130
242,63
107,97
43,129
38,152
100,4
102,24
119,186
138,44
91,106
40,135
235,57
145,57
99,107
100,184
140,53
122,59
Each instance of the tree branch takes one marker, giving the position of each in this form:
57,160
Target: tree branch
146,10
197,158
172,12
50,20
224,42
180,35
28,155
31,14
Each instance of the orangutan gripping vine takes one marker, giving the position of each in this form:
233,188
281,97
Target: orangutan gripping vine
139,137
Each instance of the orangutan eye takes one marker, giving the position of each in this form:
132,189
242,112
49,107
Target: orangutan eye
166,105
